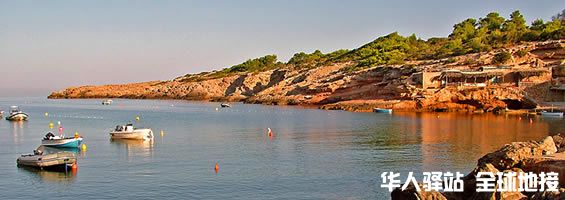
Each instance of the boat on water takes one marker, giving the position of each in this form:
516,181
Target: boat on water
382,110
59,160
107,102
1,113
225,105
551,113
51,140
16,114
131,133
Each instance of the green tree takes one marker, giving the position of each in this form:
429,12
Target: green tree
514,28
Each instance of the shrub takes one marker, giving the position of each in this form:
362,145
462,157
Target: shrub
501,58
521,53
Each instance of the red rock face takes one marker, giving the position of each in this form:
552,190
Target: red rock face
330,85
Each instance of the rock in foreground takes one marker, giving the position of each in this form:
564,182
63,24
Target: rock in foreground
543,156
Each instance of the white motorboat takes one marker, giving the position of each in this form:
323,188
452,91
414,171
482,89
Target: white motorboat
225,105
16,114
107,102
129,132
51,140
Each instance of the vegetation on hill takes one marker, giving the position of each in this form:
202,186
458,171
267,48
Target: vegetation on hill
469,36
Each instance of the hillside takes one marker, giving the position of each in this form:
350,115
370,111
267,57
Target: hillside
382,73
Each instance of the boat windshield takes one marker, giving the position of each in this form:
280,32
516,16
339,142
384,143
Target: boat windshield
14,109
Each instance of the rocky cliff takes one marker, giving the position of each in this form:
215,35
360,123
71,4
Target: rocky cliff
332,85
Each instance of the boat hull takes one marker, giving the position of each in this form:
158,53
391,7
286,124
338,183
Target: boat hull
17,117
382,110
137,134
60,159
552,114
63,143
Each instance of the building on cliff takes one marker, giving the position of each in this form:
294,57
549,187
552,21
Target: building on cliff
503,75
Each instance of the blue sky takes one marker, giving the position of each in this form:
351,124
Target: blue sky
56,44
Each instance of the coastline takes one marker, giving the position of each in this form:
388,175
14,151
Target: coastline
527,81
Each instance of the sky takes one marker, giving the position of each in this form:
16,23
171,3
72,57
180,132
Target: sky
51,45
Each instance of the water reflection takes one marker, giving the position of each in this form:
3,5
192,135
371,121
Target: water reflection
17,131
462,138
49,176
135,148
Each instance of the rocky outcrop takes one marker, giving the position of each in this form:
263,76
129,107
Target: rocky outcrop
334,86
542,156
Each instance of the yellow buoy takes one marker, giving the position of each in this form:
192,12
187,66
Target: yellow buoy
51,125
83,147
46,114
137,118
162,133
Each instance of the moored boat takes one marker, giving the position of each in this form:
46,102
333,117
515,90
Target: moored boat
50,140
382,110
551,114
16,114
225,105
49,161
131,133
107,102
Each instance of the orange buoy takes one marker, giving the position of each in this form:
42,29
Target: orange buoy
519,118
74,166
531,121
217,168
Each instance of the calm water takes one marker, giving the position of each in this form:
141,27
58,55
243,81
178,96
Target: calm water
315,154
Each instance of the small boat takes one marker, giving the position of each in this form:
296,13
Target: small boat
51,140
382,110
225,105
1,113
59,160
551,113
16,114
129,132
107,102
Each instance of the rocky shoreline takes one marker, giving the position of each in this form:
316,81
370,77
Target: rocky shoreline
332,85
547,155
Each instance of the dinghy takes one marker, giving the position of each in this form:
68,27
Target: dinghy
131,133
225,105
59,160
16,114
382,110
51,140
